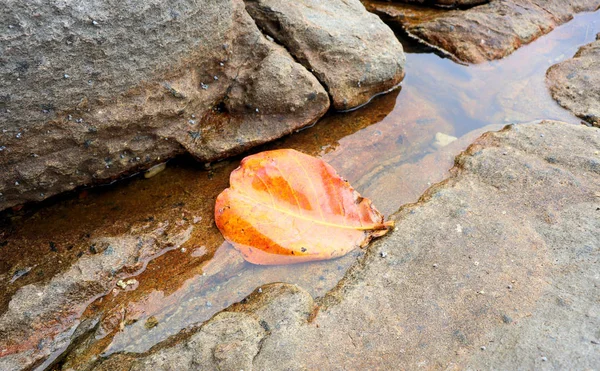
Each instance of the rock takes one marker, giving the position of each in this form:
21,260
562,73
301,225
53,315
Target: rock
445,3
520,209
484,32
42,319
352,52
575,83
231,339
91,92
442,140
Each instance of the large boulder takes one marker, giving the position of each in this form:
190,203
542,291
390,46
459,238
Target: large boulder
494,268
484,32
351,51
90,91
575,83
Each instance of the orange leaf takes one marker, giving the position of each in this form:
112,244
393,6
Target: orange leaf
285,207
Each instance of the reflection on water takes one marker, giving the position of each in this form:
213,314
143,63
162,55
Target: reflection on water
386,150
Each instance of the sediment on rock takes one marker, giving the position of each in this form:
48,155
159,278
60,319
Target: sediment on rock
351,51
575,83
484,32
93,92
493,258
444,3
42,319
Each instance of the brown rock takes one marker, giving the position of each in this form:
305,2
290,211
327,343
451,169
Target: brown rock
575,83
485,32
92,92
444,3
352,52
43,319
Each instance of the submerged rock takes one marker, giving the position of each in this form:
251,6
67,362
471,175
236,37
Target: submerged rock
94,91
444,3
501,257
352,52
575,83
42,319
484,32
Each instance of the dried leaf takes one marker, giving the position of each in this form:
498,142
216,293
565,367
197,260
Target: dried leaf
285,207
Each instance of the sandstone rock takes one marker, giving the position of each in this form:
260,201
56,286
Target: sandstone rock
444,3
575,83
92,91
484,32
501,256
352,52
43,319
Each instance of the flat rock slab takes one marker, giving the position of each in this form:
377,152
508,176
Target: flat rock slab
575,83
494,268
444,3
89,93
351,51
484,32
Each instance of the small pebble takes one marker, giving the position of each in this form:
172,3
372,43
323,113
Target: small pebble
542,135
435,265
66,76
216,78
482,347
544,359
260,290
509,287
256,110
151,322
95,23
183,249
383,254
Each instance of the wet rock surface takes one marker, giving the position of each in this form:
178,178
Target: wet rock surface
351,51
444,3
484,32
575,83
42,319
91,92
492,268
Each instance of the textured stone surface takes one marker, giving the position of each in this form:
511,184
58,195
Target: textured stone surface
494,268
352,52
575,83
92,90
43,319
444,3
484,32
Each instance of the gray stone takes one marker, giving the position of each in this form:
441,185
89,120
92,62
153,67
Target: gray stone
138,71
352,52
506,216
575,83
484,32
